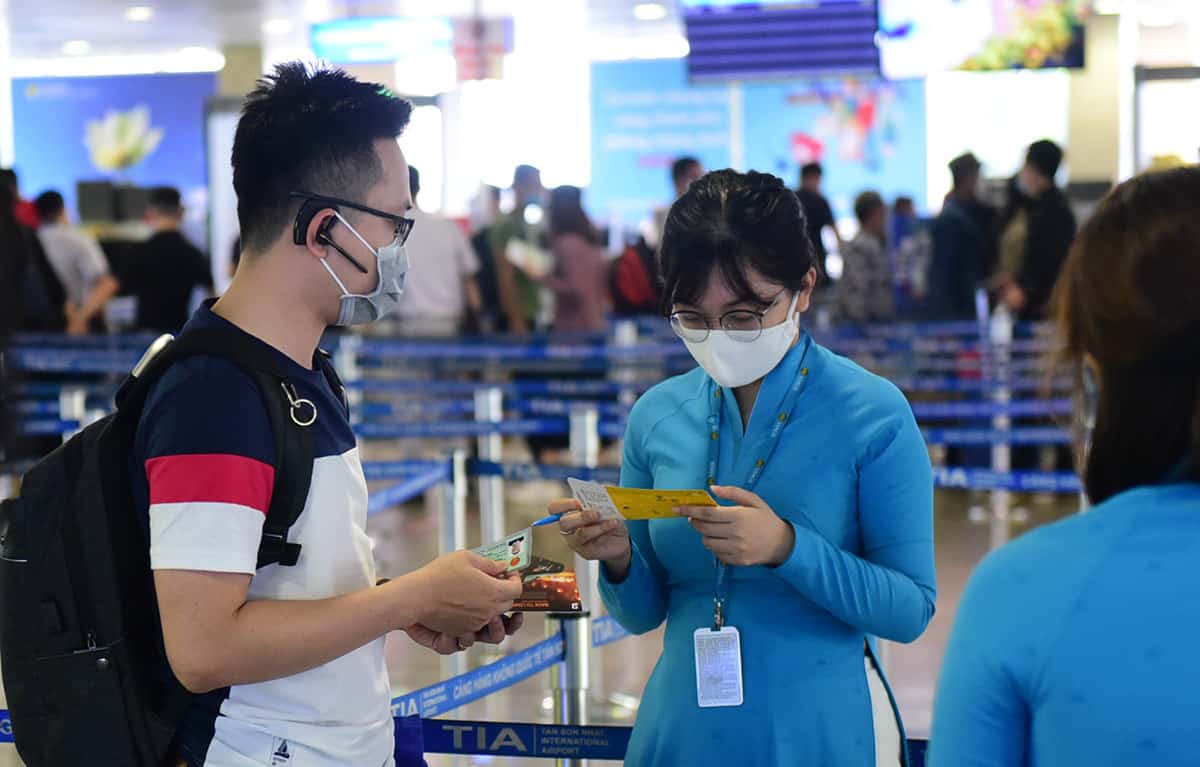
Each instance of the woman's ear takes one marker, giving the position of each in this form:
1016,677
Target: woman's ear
804,301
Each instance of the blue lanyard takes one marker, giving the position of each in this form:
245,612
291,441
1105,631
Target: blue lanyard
716,413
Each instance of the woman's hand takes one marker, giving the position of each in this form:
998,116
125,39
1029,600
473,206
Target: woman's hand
595,538
744,535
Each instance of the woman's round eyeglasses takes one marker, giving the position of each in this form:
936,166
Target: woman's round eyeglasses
745,325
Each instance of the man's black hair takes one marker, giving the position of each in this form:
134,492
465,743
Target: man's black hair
866,204
729,223
525,174
8,177
414,180
166,200
311,129
681,167
49,205
811,169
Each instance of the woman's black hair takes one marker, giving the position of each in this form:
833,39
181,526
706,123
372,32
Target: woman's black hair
732,223
567,215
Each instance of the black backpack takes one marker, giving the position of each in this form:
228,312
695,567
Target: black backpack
81,644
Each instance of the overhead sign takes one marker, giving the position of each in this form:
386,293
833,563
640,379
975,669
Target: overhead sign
361,40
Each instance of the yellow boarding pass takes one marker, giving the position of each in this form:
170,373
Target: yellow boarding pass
635,503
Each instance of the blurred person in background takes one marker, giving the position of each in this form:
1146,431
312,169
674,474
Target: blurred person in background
864,293
684,171
79,264
580,268
491,317
441,291
1011,237
166,269
819,216
519,291
23,209
32,297
1070,646
909,245
1051,229
962,234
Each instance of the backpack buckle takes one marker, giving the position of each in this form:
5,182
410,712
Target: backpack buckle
275,549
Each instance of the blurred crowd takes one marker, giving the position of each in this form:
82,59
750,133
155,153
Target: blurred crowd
543,265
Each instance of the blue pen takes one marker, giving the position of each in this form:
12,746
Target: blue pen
550,520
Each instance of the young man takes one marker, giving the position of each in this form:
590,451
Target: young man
166,269
1051,232
684,171
864,293
818,215
962,239
520,293
288,662
79,263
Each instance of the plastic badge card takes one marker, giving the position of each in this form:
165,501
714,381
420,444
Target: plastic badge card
513,551
634,503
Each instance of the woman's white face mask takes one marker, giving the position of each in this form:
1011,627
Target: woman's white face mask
736,358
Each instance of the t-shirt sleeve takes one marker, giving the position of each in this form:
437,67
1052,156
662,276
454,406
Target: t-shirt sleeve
92,263
206,446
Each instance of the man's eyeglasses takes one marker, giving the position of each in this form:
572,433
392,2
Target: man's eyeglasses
745,325
402,227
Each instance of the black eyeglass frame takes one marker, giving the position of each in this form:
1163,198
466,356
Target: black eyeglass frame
403,225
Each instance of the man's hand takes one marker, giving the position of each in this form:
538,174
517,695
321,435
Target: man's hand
745,535
495,632
77,323
463,592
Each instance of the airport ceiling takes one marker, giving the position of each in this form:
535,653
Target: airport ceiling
40,28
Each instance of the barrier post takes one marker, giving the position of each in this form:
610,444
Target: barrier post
625,336
72,406
584,442
570,678
452,536
489,408
1000,336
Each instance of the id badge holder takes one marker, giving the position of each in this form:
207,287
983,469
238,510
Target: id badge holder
718,666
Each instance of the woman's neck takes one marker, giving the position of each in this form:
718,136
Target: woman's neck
745,396
748,394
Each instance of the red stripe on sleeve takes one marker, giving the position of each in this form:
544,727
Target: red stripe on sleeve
210,478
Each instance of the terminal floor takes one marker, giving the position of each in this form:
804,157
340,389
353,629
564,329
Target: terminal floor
407,537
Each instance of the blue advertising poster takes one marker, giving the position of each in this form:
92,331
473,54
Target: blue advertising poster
136,129
644,115
867,133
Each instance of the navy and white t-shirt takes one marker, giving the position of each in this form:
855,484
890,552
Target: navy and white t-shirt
204,466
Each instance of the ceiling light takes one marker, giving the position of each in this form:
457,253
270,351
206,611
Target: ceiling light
139,13
76,47
277,27
649,11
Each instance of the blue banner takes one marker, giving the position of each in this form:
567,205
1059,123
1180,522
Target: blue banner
135,129
866,132
645,114
470,687
1026,436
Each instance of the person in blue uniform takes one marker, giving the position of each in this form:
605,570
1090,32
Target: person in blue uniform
1073,645
824,536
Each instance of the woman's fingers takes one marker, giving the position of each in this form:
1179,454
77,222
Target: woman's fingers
563,506
573,522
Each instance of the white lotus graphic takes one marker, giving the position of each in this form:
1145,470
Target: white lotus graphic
121,140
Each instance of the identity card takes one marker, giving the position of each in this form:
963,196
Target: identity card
514,551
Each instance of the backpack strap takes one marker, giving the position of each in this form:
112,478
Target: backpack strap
290,417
